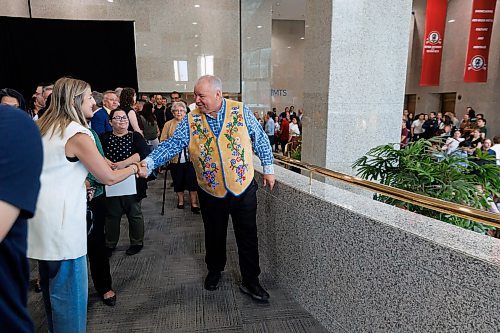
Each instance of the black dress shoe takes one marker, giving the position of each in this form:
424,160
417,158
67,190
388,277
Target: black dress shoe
255,291
133,249
180,206
212,281
111,301
195,210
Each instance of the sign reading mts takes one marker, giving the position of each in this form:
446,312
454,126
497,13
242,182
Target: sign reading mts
279,92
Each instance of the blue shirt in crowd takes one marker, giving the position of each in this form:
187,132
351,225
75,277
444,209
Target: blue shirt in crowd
174,145
269,127
20,167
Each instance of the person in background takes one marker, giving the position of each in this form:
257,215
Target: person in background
151,130
269,127
13,98
284,133
276,134
38,102
127,102
181,166
21,159
294,133
96,244
124,148
417,128
452,143
46,92
496,148
159,111
57,235
100,120
481,126
98,100
473,142
405,134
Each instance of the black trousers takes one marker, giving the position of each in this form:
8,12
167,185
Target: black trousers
96,247
243,210
183,176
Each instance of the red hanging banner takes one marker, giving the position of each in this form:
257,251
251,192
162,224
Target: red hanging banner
435,21
476,62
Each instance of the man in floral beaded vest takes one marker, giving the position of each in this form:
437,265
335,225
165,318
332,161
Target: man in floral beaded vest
220,135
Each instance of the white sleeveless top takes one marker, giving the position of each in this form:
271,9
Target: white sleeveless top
58,231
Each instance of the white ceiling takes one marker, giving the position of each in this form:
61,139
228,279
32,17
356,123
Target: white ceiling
289,9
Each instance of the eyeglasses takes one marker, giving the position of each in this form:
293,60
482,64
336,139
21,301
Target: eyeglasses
178,111
118,118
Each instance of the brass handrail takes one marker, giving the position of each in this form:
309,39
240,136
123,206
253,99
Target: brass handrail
470,213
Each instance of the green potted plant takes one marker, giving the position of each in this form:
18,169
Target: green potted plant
419,168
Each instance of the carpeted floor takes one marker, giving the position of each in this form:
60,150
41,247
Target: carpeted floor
161,288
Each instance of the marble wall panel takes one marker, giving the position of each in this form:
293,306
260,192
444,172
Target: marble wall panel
359,72
362,266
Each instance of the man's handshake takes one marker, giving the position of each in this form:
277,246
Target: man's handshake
142,169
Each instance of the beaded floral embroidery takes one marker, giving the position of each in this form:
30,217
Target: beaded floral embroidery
237,151
206,150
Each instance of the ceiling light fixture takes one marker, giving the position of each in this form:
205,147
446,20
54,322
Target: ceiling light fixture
451,21
289,47
259,26
195,23
307,25
195,36
249,37
302,38
195,45
196,6
110,0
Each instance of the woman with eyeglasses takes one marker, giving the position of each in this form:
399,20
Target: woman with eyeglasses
57,235
123,148
181,167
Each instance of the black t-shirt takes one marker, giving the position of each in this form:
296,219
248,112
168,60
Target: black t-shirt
21,158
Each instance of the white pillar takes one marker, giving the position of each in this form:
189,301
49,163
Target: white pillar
355,73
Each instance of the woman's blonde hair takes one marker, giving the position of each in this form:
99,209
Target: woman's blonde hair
65,106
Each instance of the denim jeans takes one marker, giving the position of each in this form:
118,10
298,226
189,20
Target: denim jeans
65,292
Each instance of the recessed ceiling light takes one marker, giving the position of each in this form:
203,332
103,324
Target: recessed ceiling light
249,37
307,25
277,3
195,36
145,44
195,23
289,47
302,38
110,0
195,45
196,6
451,21
259,26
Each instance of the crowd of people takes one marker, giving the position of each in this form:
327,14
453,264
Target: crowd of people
451,135
87,157
283,129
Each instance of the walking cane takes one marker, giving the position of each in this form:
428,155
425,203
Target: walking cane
164,189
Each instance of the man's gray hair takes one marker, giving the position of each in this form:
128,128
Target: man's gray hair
213,80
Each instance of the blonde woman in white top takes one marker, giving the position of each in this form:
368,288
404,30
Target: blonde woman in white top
57,235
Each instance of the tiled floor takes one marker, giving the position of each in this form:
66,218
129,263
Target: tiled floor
160,289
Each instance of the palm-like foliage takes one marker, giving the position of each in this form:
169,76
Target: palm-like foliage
417,169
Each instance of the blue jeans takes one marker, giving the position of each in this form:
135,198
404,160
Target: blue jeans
65,292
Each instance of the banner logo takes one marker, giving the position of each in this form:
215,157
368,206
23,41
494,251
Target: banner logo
434,38
477,63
